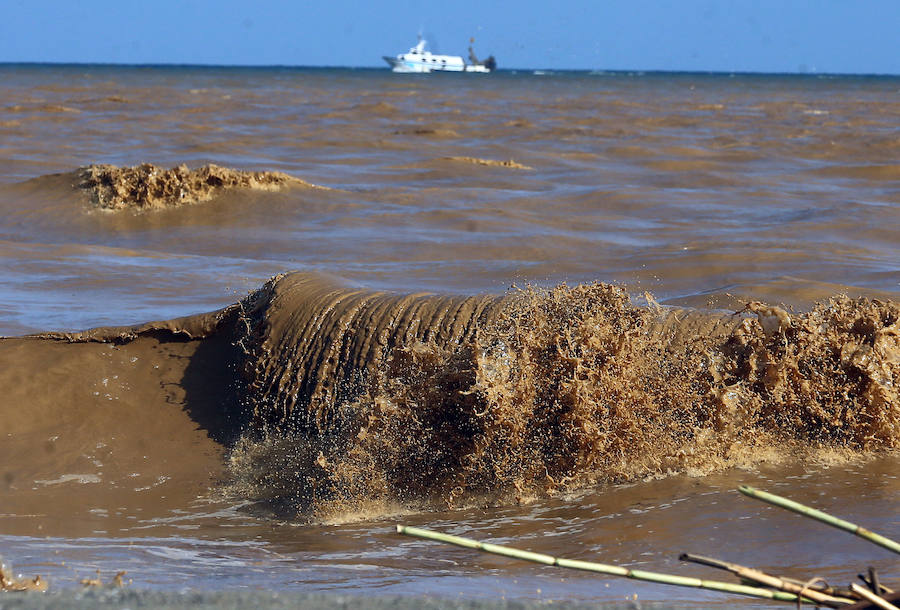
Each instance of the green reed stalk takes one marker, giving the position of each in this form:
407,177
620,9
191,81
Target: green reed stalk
666,579
818,515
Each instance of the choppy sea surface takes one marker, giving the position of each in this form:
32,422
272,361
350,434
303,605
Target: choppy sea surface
510,314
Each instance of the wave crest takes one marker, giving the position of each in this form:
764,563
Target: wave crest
146,186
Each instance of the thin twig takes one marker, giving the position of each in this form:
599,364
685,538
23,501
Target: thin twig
881,590
875,583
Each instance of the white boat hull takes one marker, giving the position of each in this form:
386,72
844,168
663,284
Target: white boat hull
411,66
420,61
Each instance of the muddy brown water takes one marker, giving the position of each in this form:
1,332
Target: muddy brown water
393,376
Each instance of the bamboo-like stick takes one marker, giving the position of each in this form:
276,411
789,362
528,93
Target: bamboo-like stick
871,597
760,577
821,587
666,579
818,515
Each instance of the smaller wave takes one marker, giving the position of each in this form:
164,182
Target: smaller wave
380,109
146,186
490,162
519,123
49,108
427,131
709,107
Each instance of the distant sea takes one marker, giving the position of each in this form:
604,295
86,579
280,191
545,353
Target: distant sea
568,311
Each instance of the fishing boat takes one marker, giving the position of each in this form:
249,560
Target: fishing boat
419,60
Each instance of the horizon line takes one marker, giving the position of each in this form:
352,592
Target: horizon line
597,71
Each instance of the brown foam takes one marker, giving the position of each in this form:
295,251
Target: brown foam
146,186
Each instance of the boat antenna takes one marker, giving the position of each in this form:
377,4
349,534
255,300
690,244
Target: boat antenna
472,57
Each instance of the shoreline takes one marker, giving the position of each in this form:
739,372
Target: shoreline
264,600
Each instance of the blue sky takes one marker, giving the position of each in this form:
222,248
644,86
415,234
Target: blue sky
846,36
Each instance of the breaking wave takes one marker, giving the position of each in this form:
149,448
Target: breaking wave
358,399
147,187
